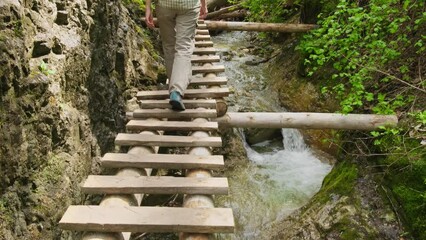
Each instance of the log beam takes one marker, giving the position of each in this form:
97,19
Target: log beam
256,27
224,10
231,15
259,27
306,120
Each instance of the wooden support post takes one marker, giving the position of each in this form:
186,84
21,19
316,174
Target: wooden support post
124,200
199,201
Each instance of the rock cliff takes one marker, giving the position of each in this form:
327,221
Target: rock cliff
67,69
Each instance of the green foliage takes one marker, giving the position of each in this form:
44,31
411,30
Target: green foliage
370,57
355,43
359,52
420,117
44,68
269,10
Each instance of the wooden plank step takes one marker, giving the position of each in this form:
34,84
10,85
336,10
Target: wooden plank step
208,81
202,37
128,139
96,184
204,44
166,161
147,219
169,113
201,25
147,125
202,32
201,21
204,50
208,69
189,93
189,103
205,59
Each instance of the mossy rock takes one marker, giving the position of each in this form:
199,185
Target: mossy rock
340,181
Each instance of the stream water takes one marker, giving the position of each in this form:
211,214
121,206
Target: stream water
278,176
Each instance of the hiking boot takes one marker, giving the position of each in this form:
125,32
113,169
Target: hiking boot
176,101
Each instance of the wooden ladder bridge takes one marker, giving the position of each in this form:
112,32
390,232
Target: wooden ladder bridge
119,214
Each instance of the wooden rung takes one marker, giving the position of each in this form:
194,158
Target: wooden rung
202,32
147,219
204,44
189,93
96,184
208,69
202,37
208,81
169,113
205,59
189,103
147,125
201,21
204,50
201,25
127,139
165,161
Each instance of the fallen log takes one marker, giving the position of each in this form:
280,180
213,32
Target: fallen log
306,120
259,27
252,26
223,10
302,120
216,4
231,15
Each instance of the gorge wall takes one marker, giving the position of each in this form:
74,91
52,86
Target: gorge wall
66,71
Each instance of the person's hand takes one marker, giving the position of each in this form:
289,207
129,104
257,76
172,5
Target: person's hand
149,19
203,11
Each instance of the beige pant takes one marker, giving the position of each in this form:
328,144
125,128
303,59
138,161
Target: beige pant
177,31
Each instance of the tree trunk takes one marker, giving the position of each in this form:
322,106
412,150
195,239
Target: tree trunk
213,5
259,27
240,14
223,10
306,120
303,120
256,27
232,15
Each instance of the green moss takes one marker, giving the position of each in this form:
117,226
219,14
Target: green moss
406,177
17,28
347,232
341,181
147,44
53,172
140,4
6,214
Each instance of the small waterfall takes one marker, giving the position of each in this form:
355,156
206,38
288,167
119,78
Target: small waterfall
293,140
294,170
280,178
274,183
